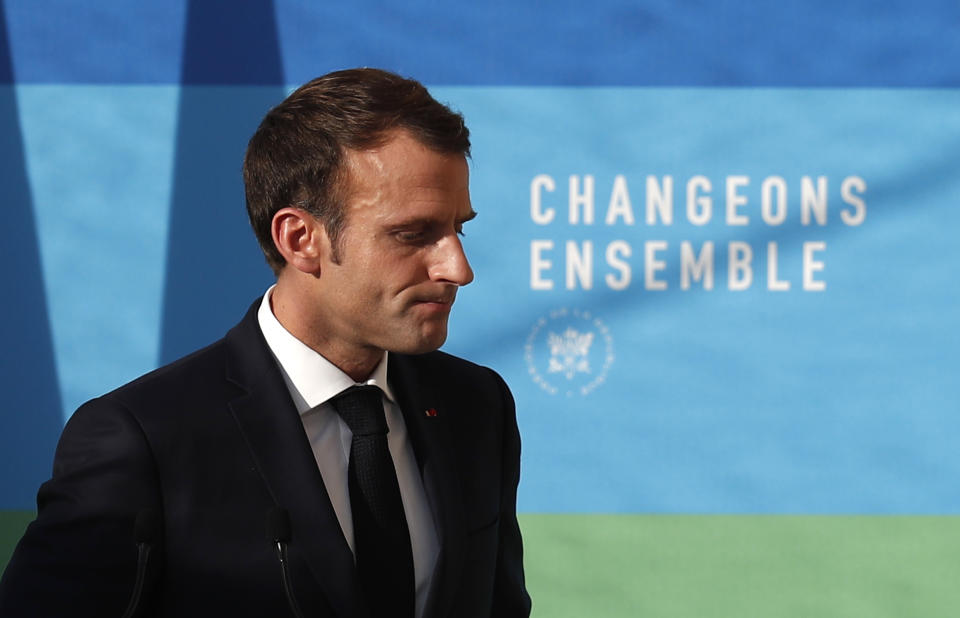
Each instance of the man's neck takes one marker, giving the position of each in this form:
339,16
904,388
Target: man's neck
289,309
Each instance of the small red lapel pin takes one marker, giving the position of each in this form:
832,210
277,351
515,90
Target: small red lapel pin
431,412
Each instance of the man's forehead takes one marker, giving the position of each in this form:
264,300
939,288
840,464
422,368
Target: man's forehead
407,162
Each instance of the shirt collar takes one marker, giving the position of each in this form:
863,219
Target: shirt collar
316,379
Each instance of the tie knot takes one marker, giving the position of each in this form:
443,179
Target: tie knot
361,409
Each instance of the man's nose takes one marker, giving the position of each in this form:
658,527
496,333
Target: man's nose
451,263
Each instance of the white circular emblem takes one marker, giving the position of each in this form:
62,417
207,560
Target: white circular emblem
569,351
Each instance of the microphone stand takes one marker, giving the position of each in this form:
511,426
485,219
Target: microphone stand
145,531
278,533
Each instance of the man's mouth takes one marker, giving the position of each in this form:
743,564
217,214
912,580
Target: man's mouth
438,303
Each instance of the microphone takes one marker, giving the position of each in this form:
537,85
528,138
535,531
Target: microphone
278,533
145,531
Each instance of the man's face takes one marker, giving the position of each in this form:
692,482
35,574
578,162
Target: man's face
400,257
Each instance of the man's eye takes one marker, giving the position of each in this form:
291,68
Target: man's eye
410,236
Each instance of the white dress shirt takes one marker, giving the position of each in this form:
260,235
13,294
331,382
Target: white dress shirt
313,381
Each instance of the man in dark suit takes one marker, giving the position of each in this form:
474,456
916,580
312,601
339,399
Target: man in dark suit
384,472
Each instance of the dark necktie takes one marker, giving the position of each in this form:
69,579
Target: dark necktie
380,535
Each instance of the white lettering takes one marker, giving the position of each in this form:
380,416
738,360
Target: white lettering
579,265
540,183
847,188
813,200
811,266
660,200
699,207
774,284
652,265
578,199
614,250
735,200
538,264
696,268
739,271
619,203
771,217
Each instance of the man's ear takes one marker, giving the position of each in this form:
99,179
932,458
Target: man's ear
300,238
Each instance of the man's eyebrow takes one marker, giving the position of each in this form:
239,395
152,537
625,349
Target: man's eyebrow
417,221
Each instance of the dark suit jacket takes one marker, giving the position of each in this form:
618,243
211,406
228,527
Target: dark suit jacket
212,442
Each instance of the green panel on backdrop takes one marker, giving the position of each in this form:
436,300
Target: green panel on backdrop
12,525
718,566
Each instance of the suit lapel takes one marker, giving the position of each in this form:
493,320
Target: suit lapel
274,432
430,435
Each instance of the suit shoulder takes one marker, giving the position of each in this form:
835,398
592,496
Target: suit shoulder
449,367
194,373
460,379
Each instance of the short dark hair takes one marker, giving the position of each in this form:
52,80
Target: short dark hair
295,158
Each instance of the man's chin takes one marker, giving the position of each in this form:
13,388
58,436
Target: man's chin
426,342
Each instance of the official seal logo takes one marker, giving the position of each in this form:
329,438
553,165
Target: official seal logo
569,351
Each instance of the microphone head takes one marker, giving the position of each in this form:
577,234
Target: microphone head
146,528
278,525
